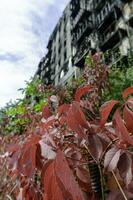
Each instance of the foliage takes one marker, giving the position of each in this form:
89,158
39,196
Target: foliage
108,83
96,73
16,117
34,94
120,77
72,86
71,149
70,157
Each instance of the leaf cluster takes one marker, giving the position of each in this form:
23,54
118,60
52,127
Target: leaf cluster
71,157
120,77
17,116
72,149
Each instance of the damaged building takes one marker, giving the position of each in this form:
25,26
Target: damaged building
87,26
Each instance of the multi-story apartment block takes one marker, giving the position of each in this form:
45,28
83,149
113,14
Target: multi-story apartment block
56,67
87,26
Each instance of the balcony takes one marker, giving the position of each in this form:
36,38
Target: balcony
108,14
75,7
78,6
77,18
82,51
82,33
98,4
130,21
80,18
82,30
112,55
111,37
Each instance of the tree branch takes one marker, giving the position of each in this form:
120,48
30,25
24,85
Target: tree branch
119,186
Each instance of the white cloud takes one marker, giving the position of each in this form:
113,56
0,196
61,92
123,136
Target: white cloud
25,27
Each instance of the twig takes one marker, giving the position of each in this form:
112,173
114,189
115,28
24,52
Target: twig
112,142
102,182
73,158
8,197
90,153
82,163
12,190
120,188
87,163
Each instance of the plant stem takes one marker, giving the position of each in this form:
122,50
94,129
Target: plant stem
9,197
14,187
90,153
100,171
119,186
102,182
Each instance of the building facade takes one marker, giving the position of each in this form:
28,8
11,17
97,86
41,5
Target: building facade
87,26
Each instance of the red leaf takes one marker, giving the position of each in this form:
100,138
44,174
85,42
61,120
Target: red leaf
66,178
83,179
44,170
39,158
117,195
105,110
128,117
74,157
47,151
13,161
121,129
95,146
112,158
130,187
76,120
27,159
46,112
79,115
62,112
46,123
31,193
33,140
127,92
125,168
63,109
51,186
130,102
13,148
74,125
62,120
82,91
83,175
35,194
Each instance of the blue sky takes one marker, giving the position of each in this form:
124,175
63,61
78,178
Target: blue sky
25,26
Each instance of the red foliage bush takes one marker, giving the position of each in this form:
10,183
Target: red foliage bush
69,157
73,151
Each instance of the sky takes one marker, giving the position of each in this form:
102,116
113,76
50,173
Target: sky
25,26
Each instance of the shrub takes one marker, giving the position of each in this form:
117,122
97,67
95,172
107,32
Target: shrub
120,77
72,150
71,157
